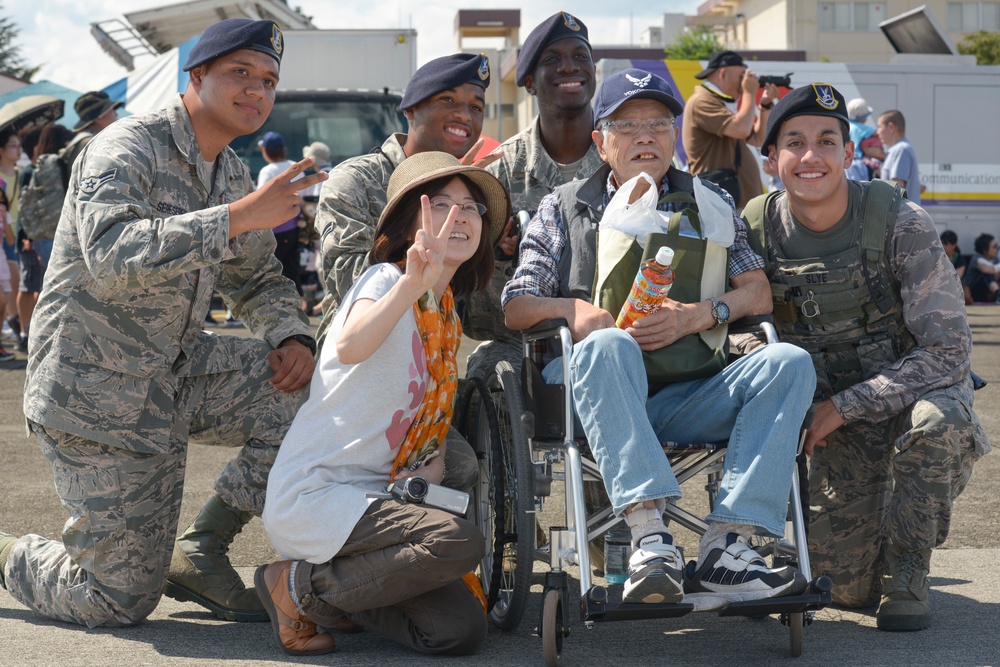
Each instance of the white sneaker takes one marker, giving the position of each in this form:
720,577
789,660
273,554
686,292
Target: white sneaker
735,574
655,571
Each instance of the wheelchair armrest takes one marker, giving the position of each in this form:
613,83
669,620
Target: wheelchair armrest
544,329
755,324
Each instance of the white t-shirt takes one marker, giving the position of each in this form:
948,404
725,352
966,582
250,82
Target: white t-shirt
272,169
343,441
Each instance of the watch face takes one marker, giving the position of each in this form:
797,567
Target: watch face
721,311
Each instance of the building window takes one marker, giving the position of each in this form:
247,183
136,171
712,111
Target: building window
850,16
973,16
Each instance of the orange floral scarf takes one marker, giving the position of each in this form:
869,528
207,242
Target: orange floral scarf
441,332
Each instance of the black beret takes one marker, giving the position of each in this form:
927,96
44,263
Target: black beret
816,99
446,73
224,37
558,26
721,59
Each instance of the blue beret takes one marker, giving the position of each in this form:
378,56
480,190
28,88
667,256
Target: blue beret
816,99
224,37
558,26
633,84
446,73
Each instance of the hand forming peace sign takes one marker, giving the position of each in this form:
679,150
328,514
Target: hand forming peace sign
425,258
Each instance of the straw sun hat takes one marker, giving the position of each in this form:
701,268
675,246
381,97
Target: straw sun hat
429,166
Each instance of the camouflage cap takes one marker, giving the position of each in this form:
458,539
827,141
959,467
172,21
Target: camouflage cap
224,37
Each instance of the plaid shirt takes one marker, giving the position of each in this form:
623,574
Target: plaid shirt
545,238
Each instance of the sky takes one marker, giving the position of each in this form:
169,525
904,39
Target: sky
56,33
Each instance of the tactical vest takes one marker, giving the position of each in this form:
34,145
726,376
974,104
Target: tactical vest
845,309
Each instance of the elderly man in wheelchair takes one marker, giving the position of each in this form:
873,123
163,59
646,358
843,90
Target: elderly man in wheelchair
758,402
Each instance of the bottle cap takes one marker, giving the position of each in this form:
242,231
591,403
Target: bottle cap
665,256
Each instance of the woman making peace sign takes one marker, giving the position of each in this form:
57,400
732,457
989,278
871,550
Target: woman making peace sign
378,411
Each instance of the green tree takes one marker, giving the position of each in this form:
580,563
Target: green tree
985,46
10,56
698,43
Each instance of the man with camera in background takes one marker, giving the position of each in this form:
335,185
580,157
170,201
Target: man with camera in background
721,119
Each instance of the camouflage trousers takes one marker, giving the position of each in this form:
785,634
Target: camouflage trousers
890,482
111,564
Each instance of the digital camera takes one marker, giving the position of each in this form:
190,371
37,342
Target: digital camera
777,80
419,490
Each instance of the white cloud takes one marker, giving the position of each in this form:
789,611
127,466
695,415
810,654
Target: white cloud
56,33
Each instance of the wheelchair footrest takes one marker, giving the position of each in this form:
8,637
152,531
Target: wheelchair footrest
816,597
636,612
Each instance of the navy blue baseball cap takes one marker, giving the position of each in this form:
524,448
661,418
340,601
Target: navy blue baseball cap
816,99
224,37
558,26
271,142
633,84
446,73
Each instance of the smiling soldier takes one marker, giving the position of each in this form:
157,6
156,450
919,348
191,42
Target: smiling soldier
159,213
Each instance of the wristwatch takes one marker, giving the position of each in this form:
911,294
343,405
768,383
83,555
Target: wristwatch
768,105
720,311
310,342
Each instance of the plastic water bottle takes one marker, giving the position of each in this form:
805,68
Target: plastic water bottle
652,283
617,551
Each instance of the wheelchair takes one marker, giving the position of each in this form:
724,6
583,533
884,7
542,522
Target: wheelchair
522,430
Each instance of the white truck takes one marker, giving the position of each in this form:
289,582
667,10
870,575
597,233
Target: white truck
948,110
341,87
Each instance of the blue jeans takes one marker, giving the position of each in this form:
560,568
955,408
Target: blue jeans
757,402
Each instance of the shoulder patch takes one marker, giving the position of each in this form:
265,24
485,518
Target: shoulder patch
91,183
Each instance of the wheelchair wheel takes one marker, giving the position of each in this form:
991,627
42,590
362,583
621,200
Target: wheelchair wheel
487,499
553,630
796,628
514,553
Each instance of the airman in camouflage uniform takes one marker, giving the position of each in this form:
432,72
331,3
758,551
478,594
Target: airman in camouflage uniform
872,296
160,212
555,149
444,103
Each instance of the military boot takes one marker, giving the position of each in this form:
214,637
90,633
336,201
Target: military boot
905,605
6,544
200,570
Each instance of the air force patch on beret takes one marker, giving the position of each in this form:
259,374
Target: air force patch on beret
277,40
570,22
484,67
824,96
91,183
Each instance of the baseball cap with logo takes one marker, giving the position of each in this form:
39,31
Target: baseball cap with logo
633,84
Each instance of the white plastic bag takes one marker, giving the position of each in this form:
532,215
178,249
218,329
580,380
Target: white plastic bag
638,219
715,214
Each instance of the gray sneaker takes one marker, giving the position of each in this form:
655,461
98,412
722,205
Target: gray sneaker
654,571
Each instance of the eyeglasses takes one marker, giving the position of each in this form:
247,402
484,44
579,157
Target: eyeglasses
631,126
443,205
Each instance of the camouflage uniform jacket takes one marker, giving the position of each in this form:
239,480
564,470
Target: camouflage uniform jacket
928,305
528,173
142,243
350,204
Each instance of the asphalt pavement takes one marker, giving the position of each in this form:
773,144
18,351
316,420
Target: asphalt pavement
965,587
